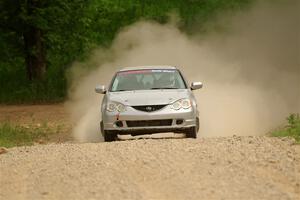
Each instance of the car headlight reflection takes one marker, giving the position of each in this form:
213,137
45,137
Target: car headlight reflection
115,106
182,103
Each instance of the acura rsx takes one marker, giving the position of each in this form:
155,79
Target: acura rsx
149,100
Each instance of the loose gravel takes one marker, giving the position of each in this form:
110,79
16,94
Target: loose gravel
206,168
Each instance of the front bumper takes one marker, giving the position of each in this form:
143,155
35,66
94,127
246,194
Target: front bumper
177,120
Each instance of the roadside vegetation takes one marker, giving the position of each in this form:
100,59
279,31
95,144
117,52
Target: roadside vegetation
16,135
292,129
39,40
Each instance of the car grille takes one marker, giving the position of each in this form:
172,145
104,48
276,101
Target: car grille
142,123
149,108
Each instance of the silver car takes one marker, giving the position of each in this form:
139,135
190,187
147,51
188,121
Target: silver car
148,100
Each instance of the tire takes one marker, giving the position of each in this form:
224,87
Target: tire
109,136
198,124
192,132
102,128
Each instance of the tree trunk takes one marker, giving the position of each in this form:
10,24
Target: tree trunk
34,48
34,54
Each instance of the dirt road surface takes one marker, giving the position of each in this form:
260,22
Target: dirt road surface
167,169
27,114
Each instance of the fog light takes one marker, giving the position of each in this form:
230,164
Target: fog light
119,123
179,121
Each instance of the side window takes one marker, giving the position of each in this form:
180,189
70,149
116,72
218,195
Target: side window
115,84
179,81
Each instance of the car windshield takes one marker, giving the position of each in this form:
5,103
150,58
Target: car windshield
153,79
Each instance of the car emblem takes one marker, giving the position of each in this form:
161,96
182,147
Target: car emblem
149,108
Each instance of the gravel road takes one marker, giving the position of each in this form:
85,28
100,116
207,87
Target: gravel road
206,168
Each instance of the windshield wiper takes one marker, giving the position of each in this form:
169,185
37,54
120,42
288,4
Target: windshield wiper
160,88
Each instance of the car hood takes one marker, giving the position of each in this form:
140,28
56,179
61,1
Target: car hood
148,97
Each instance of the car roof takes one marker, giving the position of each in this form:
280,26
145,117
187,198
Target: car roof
147,67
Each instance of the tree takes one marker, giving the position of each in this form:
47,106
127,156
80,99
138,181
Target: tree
20,18
33,25
34,48
41,38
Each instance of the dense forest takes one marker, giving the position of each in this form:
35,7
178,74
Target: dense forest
39,39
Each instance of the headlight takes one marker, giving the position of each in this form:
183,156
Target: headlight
176,105
182,103
111,107
186,103
121,108
115,106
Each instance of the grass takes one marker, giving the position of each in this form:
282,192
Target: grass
291,130
15,135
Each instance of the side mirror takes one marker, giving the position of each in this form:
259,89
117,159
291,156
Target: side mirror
196,85
100,89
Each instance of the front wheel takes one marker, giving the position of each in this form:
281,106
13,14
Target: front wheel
109,136
192,132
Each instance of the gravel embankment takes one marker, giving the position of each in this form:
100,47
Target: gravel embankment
209,168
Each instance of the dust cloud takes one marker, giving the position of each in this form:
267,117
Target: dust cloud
250,69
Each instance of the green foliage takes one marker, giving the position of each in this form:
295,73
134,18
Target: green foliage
292,129
72,28
14,135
